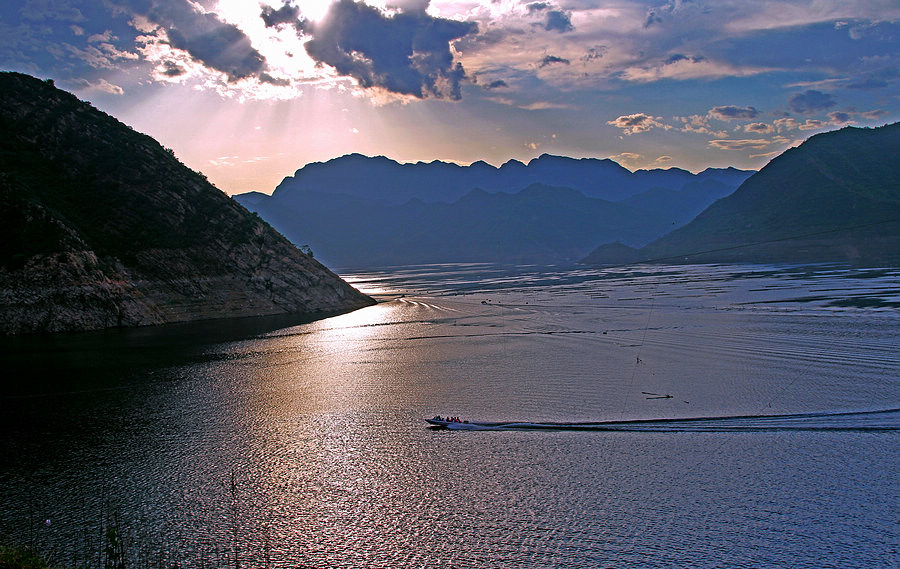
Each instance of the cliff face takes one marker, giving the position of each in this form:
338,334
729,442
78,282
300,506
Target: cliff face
103,227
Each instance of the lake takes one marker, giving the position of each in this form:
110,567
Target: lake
283,443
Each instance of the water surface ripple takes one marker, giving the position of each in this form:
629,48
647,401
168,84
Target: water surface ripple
691,416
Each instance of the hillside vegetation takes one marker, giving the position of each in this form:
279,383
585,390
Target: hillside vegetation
104,227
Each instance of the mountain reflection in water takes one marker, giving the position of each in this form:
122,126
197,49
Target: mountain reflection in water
293,444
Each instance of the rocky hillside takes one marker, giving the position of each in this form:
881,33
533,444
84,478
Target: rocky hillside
101,227
835,198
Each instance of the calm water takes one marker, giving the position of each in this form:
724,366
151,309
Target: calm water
303,445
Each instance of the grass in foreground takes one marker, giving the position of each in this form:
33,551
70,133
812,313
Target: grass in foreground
21,558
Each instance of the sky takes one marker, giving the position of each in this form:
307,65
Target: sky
248,91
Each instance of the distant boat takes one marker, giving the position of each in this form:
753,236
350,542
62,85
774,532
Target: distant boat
458,424
439,421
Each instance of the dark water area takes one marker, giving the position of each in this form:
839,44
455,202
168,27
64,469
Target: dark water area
761,405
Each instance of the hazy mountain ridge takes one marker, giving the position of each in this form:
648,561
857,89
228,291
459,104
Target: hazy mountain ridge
361,211
380,179
104,227
835,198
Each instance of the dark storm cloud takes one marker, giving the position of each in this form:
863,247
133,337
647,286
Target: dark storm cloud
214,43
594,53
652,18
554,20
559,21
537,7
218,45
407,53
287,14
498,84
811,101
553,59
730,112
676,57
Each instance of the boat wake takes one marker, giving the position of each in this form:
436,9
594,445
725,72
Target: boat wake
878,420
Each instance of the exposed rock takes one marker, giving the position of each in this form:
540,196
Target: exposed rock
103,227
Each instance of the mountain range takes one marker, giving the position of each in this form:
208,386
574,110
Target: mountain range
834,198
370,211
103,227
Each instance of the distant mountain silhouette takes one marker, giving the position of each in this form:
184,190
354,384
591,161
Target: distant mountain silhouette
835,198
380,179
101,226
362,211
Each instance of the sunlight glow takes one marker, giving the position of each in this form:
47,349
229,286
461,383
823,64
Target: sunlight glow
282,47
314,10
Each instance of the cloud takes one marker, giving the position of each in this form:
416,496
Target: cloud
811,101
836,118
559,21
731,144
287,14
554,19
407,53
676,57
171,69
682,67
594,53
700,125
544,105
876,80
759,128
408,5
209,40
101,86
652,18
813,124
839,117
638,122
100,54
61,10
537,7
787,123
868,84
730,112
627,158
552,59
874,115
106,36
218,45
